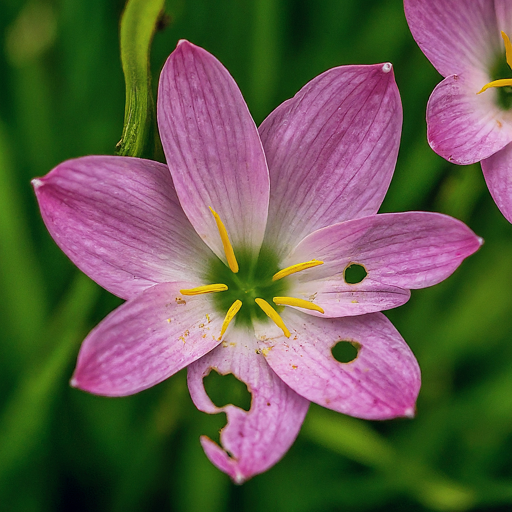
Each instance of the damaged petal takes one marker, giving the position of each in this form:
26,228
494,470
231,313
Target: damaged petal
254,440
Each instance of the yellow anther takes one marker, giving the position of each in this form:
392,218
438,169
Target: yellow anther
273,315
300,303
232,311
508,48
503,82
228,248
295,268
209,288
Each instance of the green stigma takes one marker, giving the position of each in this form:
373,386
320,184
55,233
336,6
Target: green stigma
252,281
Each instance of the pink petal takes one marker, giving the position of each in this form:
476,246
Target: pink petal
382,382
212,148
252,441
337,298
498,176
504,15
465,127
146,340
456,35
406,250
331,151
119,220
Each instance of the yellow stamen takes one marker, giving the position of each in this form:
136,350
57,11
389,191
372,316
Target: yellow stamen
503,82
232,311
508,48
273,315
209,288
300,303
295,268
228,248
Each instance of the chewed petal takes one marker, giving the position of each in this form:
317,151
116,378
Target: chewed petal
213,149
497,171
119,220
253,440
455,36
331,151
382,382
409,250
146,340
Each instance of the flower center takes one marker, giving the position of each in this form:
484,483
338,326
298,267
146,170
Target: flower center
501,70
250,285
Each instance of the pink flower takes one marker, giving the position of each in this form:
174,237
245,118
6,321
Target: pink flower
469,116
235,259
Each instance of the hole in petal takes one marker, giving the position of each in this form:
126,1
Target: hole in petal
345,351
212,425
354,273
227,389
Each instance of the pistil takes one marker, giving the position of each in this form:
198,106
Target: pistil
273,315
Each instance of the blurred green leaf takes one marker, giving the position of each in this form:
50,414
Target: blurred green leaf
357,440
23,296
28,410
265,56
349,436
199,485
149,460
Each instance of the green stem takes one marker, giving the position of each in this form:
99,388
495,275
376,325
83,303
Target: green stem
138,25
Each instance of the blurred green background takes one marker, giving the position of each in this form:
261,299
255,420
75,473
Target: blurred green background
62,95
